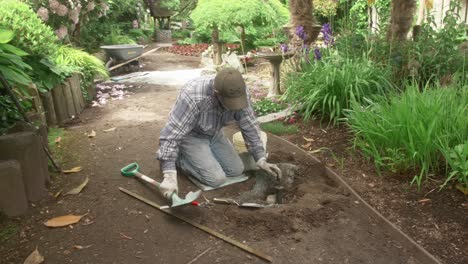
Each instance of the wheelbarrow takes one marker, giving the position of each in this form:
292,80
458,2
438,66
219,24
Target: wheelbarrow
121,53
133,170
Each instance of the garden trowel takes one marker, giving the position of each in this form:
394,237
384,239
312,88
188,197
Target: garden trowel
133,170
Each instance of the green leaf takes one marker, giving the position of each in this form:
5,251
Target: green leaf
13,49
6,35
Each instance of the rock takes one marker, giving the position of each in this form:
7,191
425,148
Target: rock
233,61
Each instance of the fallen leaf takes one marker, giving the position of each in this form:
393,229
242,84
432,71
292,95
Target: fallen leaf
34,258
124,236
316,151
308,139
58,194
424,200
73,170
63,220
110,129
58,139
306,146
462,189
81,247
79,188
92,134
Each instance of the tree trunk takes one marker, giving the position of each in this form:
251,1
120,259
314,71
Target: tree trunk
243,38
302,15
401,19
217,60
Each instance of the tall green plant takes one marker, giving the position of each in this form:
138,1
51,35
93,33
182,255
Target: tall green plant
329,86
89,66
412,131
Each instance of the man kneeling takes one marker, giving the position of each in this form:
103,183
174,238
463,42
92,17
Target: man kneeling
193,138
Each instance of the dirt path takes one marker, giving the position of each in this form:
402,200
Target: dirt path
321,224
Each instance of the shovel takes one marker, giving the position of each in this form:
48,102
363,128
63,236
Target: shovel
133,170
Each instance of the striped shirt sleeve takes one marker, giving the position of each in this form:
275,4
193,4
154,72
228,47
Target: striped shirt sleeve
250,130
182,120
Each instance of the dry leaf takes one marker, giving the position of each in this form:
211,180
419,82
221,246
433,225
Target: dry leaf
63,220
424,200
81,247
79,188
57,140
92,134
308,139
124,236
58,194
316,151
34,258
73,170
110,129
306,146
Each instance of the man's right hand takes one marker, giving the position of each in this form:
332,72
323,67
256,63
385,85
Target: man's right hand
169,184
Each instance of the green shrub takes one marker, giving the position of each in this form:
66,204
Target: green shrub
116,37
279,128
34,36
412,131
457,158
180,34
327,87
267,106
269,42
88,65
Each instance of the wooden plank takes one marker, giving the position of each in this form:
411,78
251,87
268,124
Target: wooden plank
201,227
134,59
70,104
48,103
59,104
76,93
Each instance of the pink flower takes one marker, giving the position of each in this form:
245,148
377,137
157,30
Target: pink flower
91,5
74,16
61,32
62,10
54,4
43,13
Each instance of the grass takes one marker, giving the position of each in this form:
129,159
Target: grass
54,133
328,87
279,128
413,131
8,229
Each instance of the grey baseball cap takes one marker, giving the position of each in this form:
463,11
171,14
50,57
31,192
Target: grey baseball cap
230,87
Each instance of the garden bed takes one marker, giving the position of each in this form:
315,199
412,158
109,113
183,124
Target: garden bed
436,220
320,219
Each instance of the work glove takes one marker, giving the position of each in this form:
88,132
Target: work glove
271,169
169,184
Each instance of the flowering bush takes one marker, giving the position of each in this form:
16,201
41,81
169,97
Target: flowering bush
65,16
34,36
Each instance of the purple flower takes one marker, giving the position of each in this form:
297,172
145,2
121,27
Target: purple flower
317,54
327,34
284,48
301,33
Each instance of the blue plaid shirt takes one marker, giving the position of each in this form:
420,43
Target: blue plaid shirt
198,112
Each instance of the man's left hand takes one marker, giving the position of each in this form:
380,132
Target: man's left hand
271,169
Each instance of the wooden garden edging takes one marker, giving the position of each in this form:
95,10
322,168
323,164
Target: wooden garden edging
65,101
